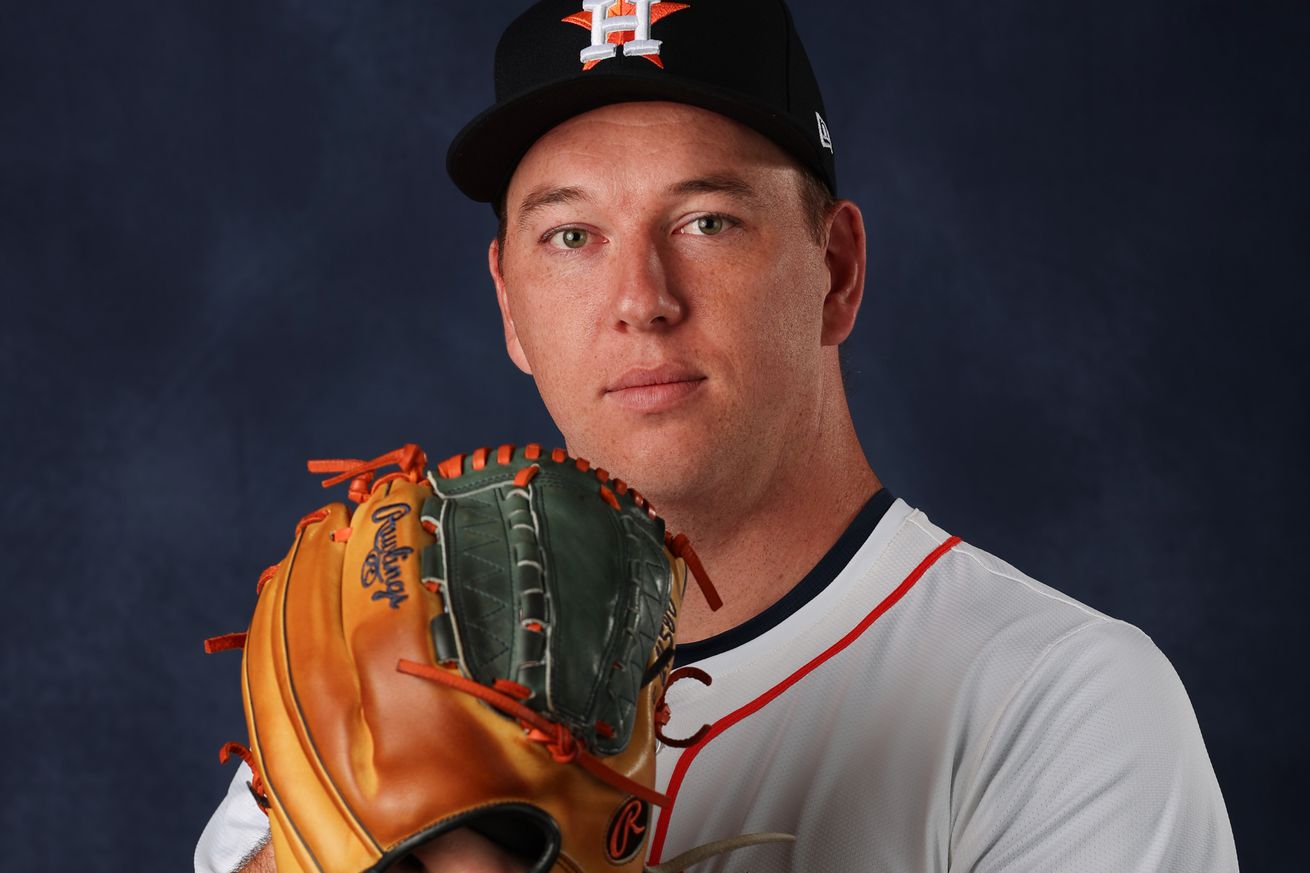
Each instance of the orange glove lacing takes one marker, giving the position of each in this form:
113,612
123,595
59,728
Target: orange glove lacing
562,745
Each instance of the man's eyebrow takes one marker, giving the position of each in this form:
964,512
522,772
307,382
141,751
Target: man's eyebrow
719,183
543,197
722,183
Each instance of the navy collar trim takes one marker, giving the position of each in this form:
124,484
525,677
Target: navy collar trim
832,563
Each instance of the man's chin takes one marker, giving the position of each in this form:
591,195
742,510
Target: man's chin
669,466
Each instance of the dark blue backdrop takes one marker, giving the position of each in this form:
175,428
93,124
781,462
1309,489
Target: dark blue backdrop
227,244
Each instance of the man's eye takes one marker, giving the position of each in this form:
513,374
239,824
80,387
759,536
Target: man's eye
706,225
570,238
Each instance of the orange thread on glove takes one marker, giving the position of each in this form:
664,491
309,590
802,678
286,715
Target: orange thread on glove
680,546
562,745
452,467
269,573
312,518
608,496
256,783
342,534
662,714
358,490
409,458
563,748
379,483
224,642
227,750
513,689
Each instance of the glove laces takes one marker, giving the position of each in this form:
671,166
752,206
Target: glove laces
409,458
562,745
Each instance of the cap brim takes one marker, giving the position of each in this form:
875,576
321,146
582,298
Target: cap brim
483,155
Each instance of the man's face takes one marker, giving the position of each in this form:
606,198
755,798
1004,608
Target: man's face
662,284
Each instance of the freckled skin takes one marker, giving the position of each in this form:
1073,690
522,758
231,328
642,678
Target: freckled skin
461,851
759,465
744,306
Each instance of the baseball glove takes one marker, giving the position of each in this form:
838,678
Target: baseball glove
485,645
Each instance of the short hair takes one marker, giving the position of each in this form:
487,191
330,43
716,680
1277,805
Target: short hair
816,202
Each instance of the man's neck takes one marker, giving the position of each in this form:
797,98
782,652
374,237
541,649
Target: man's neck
755,550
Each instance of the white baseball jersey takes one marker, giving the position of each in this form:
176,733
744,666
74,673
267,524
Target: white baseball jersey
918,706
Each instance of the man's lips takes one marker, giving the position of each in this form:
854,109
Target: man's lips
655,389
642,377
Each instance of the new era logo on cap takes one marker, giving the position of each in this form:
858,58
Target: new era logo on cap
825,138
621,24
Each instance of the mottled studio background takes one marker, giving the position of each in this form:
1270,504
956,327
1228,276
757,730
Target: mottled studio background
227,244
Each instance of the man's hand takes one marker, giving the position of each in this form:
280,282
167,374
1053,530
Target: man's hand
461,851
262,862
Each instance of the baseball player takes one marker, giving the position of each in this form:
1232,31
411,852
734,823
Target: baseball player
675,271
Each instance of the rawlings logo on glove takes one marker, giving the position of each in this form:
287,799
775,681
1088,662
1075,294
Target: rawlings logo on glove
382,564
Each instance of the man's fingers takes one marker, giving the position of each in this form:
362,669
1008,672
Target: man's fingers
262,862
460,851
464,851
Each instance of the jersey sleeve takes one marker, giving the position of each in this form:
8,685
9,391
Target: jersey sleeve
1094,762
237,830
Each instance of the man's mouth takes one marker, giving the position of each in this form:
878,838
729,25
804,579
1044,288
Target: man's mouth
653,389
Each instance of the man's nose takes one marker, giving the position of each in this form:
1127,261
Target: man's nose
644,299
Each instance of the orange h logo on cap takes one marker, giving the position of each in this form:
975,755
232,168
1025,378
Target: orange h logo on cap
613,24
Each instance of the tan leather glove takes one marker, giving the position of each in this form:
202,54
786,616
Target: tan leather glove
484,645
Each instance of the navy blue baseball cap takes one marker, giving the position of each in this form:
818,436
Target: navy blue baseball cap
561,58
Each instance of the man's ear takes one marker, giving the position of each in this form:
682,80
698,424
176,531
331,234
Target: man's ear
512,345
845,258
